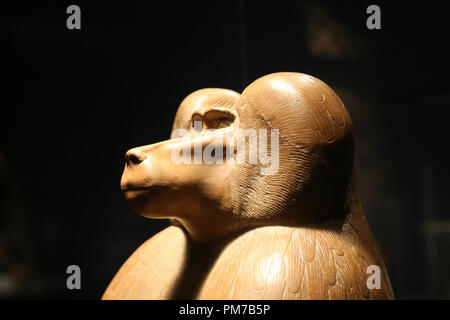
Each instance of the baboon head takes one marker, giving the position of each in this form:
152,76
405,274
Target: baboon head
206,178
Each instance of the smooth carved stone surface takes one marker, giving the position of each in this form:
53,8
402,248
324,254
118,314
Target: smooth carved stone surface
299,233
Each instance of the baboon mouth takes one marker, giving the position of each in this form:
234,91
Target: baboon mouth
134,188
131,188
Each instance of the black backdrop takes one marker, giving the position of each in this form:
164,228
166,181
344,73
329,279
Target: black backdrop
75,100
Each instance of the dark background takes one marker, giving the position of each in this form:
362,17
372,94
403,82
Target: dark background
75,100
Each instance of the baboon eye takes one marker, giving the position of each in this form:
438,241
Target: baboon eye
216,119
197,118
212,119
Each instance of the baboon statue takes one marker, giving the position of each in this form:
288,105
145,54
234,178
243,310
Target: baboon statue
289,228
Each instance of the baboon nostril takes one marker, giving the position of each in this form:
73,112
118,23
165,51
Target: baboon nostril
134,157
